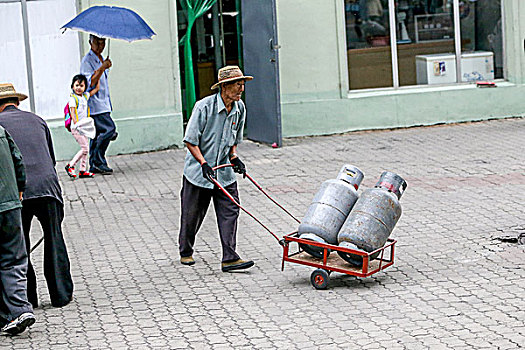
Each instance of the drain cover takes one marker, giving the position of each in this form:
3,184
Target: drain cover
513,234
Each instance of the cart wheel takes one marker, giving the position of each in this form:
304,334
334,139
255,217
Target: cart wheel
320,279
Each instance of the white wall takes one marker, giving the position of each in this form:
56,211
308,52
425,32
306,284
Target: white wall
12,53
309,55
54,55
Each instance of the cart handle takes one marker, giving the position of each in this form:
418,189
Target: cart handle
216,183
260,189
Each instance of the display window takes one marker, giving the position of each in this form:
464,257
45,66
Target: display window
420,41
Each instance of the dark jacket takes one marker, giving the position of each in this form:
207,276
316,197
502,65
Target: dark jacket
12,173
33,138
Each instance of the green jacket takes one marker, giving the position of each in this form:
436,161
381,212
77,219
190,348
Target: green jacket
12,173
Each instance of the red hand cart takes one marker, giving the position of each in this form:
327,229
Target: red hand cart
293,252
320,278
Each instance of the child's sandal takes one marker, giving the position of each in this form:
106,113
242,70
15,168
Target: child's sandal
85,174
70,170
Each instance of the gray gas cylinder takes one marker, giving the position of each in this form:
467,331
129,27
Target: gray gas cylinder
329,209
373,217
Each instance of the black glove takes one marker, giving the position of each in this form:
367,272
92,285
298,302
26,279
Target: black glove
238,166
207,172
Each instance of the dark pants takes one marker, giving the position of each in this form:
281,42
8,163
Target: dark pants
50,213
98,146
195,201
13,267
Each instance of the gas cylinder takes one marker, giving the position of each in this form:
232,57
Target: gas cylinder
329,209
372,218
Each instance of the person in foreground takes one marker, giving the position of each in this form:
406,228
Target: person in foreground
42,197
16,312
212,135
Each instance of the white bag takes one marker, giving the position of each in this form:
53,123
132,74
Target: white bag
86,127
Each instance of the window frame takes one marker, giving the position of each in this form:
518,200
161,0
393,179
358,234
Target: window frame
343,72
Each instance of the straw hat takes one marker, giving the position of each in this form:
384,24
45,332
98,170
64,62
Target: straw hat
230,73
8,91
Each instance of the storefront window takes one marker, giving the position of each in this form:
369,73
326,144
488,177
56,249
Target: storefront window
425,44
368,44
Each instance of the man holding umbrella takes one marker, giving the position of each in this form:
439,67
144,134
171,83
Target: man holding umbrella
95,67
104,22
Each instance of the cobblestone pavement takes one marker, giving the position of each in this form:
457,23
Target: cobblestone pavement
453,286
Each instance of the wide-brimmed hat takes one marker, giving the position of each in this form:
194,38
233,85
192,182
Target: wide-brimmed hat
7,90
230,73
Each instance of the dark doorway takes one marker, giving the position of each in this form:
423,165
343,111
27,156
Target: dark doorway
215,42
243,33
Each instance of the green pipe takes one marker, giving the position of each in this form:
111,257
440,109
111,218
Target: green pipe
188,70
194,9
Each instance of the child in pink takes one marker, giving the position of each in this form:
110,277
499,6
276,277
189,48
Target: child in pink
82,126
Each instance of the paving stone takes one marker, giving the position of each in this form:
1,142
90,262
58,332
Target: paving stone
453,285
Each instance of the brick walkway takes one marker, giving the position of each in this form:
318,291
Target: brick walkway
453,285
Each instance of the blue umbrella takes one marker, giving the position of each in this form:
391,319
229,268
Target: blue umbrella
111,22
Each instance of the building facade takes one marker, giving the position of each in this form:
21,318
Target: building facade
340,65
347,65
40,59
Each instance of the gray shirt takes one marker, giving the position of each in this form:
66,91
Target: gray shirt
32,136
214,131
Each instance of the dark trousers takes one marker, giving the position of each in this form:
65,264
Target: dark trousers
50,213
195,201
98,146
13,267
